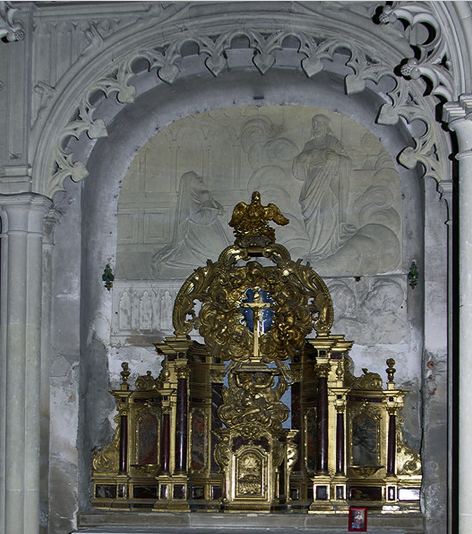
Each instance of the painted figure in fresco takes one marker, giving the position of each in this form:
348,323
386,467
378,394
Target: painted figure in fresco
324,168
198,233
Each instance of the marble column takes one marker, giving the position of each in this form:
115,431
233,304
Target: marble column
322,421
165,441
181,422
459,116
340,442
391,443
20,338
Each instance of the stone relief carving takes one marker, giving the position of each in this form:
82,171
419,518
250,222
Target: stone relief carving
435,63
324,168
424,32
197,231
342,199
142,309
406,99
10,28
371,311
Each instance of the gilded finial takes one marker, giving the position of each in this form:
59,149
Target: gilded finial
340,370
391,370
165,371
124,375
250,222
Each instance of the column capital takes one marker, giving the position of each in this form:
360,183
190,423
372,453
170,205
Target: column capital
458,116
16,179
461,109
24,199
24,212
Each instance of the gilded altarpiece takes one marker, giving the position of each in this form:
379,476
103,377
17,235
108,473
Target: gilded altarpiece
265,415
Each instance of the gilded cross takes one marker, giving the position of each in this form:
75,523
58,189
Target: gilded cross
257,307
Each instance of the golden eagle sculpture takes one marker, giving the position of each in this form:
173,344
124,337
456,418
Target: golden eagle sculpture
251,222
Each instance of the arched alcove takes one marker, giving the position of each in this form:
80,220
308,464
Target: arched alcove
333,59
111,158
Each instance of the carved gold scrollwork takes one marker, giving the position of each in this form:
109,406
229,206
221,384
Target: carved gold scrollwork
277,454
252,398
408,461
299,300
223,450
145,382
107,460
367,381
184,316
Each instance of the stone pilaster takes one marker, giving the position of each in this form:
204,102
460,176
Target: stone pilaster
20,338
459,116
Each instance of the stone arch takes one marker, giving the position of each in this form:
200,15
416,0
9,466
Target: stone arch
360,61
130,130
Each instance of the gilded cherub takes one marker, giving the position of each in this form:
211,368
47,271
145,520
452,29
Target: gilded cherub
252,219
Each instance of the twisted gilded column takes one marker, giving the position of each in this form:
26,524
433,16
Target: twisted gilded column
20,339
459,116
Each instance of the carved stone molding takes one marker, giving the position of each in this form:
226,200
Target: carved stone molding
10,28
431,56
317,50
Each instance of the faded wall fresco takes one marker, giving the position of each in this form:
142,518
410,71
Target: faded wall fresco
328,174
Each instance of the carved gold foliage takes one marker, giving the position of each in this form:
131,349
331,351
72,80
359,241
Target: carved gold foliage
145,382
217,376
408,460
107,460
300,302
253,398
